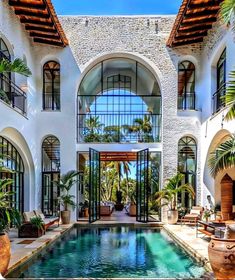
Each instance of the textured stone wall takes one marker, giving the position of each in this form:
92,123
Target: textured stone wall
91,37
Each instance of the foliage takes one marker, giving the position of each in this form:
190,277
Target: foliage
112,133
4,97
227,11
37,222
84,204
171,190
230,97
222,157
93,127
8,215
16,66
65,184
207,213
109,181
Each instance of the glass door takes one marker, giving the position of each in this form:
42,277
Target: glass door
94,185
142,185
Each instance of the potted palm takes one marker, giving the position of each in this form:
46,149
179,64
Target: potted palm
65,184
169,195
8,216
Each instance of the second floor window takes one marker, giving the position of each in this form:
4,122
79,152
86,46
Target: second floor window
186,86
218,102
51,86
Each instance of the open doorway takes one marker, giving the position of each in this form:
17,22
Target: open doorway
119,186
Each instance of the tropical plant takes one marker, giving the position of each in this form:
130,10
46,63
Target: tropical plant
17,66
227,11
65,184
37,222
169,194
222,157
112,133
109,181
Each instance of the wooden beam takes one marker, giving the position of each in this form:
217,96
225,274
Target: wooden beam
198,16
196,27
36,21
44,35
48,42
190,36
204,3
27,4
31,13
40,28
187,42
201,21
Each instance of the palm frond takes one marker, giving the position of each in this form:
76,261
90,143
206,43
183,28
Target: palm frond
222,157
17,66
230,96
227,11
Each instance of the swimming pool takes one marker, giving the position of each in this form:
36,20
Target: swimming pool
113,252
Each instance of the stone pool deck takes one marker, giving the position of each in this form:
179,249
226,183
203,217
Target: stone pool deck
23,249
185,235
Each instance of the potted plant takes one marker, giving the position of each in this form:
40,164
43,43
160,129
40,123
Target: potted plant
119,205
169,194
8,216
84,208
37,226
65,184
207,214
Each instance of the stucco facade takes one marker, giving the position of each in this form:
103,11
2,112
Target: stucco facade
91,40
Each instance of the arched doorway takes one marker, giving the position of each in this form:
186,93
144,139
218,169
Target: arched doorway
12,160
119,101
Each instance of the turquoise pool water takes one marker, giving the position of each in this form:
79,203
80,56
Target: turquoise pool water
114,252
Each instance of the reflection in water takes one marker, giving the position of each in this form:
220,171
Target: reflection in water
114,252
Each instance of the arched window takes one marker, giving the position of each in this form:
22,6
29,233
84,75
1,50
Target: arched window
13,161
187,165
50,174
51,86
186,86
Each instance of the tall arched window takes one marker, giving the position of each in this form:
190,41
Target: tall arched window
187,165
186,86
13,160
51,86
50,174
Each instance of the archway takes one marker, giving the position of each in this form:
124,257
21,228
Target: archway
119,101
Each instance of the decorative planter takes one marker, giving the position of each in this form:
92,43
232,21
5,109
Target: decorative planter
119,206
86,212
30,231
65,217
172,216
5,253
222,257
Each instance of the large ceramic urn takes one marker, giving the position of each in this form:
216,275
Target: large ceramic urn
172,216
5,253
222,257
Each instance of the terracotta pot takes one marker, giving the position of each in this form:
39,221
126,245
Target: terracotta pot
65,217
86,212
5,253
132,210
172,216
222,257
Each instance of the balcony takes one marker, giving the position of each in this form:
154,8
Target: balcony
119,128
218,101
186,101
12,94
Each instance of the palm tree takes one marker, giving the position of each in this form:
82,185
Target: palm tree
171,190
93,126
141,126
223,156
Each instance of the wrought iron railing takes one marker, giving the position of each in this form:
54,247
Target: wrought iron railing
218,101
187,101
119,128
51,101
12,94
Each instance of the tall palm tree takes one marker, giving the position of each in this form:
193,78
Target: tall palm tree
223,156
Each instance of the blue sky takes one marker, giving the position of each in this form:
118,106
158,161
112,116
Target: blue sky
116,7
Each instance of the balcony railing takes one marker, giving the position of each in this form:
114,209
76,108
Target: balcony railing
51,101
119,128
218,101
12,94
186,101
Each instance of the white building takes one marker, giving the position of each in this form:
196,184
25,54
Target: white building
115,69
